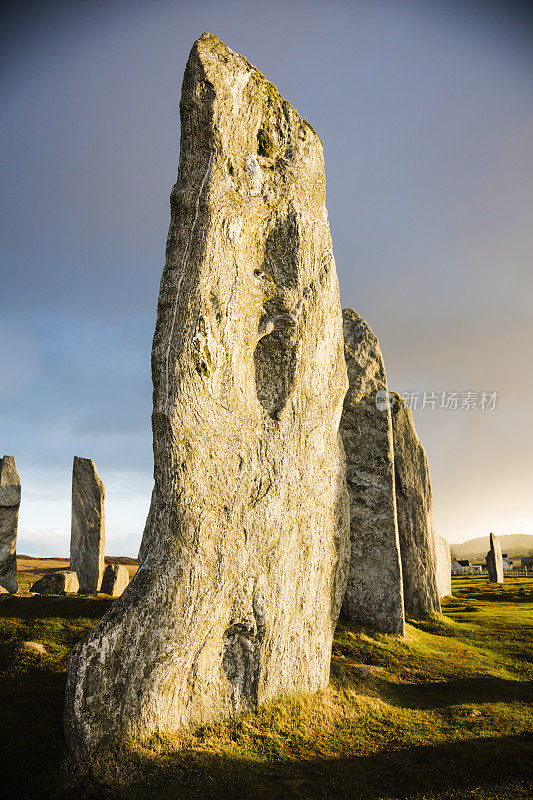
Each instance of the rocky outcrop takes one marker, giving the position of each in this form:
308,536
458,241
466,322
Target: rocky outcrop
10,491
61,582
374,594
494,560
115,580
414,507
244,557
87,535
444,565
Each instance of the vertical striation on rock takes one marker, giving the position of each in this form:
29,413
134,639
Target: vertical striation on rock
414,506
116,578
10,491
87,534
374,594
444,565
494,560
244,557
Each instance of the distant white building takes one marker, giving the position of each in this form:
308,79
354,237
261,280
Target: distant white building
460,566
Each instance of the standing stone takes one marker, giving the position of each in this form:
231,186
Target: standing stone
244,557
10,491
374,594
87,535
116,578
444,565
414,505
494,560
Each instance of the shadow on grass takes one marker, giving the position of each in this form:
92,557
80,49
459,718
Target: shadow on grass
511,591
31,737
47,606
455,769
459,691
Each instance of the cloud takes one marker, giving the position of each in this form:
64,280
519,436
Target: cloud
426,113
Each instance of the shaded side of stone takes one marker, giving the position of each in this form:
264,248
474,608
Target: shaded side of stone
444,566
10,493
494,560
116,578
87,536
414,506
61,582
374,593
244,557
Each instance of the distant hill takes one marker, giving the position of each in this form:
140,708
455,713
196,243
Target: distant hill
514,544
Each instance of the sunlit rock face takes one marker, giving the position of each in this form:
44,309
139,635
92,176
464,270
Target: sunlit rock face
374,594
414,505
444,565
244,558
116,578
61,582
494,560
87,535
10,492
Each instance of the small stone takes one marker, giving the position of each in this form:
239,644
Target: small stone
87,537
366,669
64,581
444,565
414,507
116,578
10,492
34,647
374,594
494,560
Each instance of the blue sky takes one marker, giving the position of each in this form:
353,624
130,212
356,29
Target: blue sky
426,113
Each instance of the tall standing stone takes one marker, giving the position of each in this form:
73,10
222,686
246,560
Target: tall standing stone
414,505
10,491
87,535
244,557
374,594
444,565
494,560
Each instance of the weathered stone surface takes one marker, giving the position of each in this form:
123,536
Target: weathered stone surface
444,565
87,533
244,557
414,508
10,491
494,560
35,648
374,594
57,583
116,578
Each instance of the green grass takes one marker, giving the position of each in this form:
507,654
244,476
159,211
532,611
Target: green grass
447,717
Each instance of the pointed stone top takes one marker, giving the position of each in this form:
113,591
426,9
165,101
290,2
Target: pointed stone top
495,545
8,472
401,410
81,461
10,491
357,329
237,119
85,469
364,360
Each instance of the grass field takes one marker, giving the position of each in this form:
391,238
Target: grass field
444,714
